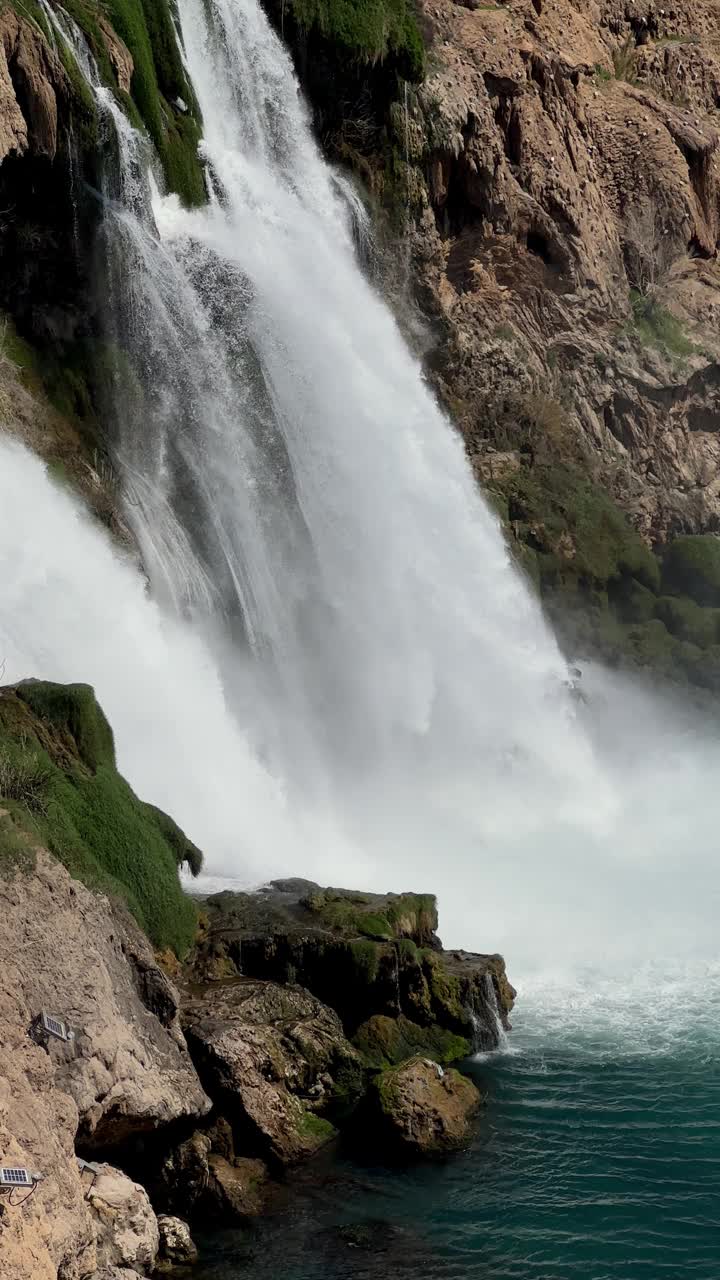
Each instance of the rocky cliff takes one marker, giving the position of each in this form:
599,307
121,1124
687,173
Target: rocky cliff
551,167
544,174
297,1014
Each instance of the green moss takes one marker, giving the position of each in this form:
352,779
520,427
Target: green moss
17,856
158,81
633,602
656,326
689,621
370,30
365,961
313,1126
691,567
372,916
447,1007
87,814
73,708
386,1042
576,529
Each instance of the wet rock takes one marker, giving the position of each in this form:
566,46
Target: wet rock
31,81
422,1108
363,954
276,1062
237,1189
176,1244
204,1178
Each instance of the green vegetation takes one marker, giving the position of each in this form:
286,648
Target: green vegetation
313,1126
397,915
385,1042
691,566
17,856
624,60
158,81
370,30
580,538
59,782
655,326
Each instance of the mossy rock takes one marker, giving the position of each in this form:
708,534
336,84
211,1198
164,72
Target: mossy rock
421,1108
412,916
691,567
59,781
689,621
386,1042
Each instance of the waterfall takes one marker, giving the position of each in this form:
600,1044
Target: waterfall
493,1011
340,672
300,494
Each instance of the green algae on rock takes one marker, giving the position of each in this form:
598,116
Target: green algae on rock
60,784
363,954
422,1108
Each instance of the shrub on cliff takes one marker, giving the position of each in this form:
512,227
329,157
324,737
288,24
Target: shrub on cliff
369,30
59,781
691,567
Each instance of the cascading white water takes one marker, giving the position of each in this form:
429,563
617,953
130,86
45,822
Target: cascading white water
334,598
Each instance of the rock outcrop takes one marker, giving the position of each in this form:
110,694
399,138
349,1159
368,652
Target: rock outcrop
362,954
69,953
422,1108
177,1247
32,82
554,178
276,1063
127,1234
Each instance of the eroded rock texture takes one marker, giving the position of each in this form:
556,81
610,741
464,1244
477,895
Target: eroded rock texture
66,951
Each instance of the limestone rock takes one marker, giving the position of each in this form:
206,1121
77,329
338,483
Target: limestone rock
422,1107
67,951
31,81
120,55
176,1244
126,1228
273,1059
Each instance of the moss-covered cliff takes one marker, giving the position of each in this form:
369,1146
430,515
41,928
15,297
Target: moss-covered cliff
59,786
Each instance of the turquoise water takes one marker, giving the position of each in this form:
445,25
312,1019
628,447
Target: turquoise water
597,1156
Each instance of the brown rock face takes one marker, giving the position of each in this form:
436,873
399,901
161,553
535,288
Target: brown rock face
126,1228
422,1107
32,80
65,951
272,1058
560,159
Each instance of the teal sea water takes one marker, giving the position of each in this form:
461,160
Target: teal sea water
597,1157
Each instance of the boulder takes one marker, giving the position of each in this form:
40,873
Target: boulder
422,1108
126,1229
177,1247
275,1062
237,1188
203,1178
